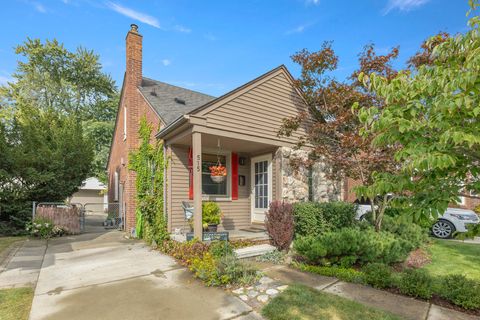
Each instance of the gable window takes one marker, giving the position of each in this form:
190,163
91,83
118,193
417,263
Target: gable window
210,188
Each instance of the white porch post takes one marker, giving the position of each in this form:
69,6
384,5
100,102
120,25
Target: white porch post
197,184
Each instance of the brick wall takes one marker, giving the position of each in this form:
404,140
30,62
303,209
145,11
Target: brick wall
136,107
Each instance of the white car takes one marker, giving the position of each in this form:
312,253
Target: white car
453,220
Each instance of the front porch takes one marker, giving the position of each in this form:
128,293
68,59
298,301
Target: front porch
252,182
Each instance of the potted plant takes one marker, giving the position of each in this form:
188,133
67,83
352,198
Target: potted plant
218,173
211,216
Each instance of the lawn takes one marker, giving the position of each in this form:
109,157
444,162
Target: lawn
15,303
453,257
304,303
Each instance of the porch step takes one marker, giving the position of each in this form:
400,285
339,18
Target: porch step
253,251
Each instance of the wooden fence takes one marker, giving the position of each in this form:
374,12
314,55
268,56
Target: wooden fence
67,217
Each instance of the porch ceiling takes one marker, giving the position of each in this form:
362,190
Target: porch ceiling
211,142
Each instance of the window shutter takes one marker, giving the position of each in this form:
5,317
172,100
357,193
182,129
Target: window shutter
234,176
190,173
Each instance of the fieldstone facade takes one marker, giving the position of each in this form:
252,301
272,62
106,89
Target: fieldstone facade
295,178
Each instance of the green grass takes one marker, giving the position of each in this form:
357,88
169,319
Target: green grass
453,257
15,303
299,302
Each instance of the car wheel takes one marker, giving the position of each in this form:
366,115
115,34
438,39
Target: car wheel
443,229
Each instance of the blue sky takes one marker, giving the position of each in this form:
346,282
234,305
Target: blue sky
215,46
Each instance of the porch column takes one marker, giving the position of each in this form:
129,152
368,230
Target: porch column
197,184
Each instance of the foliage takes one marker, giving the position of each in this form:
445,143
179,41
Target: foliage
349,246
299,302
44,228
407,230
461,291
432,116
342,273
275,257
416,283
238,272
279,224
148,163
211,213
332,128
50,78
220,249
205,268
378,275
477,209
315,218
185,252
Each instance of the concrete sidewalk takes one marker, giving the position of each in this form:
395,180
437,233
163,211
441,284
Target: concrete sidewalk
23,266
102,275
407,308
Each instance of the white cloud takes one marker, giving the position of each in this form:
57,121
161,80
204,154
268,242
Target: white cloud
4,78
403,5
38,6
166,62
209,36
299,29
181,28
139,16
314,2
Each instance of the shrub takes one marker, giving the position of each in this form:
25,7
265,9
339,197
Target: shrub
416,283
274,256
205,268
309,220
345,274
407,230
186,252
378,275
220,249
461,291
349,246
236,271
279,224
211,213
44,228
314,218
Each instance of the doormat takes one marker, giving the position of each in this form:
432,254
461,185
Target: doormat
253,230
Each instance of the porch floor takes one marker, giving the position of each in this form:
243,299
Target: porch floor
255,233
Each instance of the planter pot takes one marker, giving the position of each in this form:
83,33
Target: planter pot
212,227
218,179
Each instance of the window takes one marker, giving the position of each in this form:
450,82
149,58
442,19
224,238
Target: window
208,186
124,123
116,185
261,184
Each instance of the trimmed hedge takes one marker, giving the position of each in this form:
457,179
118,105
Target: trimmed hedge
315,218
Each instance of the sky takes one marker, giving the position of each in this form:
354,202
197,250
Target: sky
216,46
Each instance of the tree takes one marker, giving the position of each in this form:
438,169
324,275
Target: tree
334,128
432,115
45,157
51,78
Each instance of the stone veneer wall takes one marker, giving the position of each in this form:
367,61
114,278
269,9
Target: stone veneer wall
295,181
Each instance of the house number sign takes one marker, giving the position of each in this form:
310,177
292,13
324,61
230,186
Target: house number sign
199,163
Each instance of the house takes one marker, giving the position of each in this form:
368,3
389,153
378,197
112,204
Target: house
91,194
238,129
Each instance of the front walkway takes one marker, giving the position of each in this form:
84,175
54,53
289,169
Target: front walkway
405,307
101,275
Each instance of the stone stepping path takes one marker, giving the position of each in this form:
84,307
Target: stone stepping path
261,292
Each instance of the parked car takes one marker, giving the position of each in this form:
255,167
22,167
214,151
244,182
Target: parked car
454,220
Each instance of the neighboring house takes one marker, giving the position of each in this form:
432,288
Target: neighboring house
243,122
91,193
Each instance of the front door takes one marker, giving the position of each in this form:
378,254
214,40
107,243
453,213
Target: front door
261,173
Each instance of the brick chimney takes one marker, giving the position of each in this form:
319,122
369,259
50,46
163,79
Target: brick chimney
134,57
131,105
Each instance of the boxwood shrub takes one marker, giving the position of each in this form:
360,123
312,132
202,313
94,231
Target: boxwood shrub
461,291
378,275
416,283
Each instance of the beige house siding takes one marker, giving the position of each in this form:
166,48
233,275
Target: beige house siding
237,213
87,196
260,111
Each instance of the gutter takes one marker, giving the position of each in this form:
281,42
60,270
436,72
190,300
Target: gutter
172,126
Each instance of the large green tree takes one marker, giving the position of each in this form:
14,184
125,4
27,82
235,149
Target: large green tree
51,78
433,115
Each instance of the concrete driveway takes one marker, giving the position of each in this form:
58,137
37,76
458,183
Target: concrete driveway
101,275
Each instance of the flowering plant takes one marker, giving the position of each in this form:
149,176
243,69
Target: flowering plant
44,228
218,170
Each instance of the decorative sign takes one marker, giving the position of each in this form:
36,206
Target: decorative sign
210,236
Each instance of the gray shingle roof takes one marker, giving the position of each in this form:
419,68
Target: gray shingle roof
165,99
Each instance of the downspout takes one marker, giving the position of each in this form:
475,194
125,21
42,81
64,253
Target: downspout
165,181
